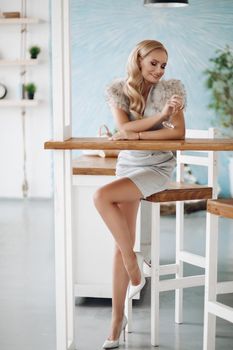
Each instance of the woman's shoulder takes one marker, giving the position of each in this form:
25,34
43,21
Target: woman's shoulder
172,85
164,89
116,85
115,96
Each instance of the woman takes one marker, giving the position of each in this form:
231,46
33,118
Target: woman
140,104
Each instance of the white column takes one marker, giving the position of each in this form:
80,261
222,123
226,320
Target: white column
63,251
62,175
61,76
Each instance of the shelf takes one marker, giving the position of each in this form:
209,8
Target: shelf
27,62
19,20
18,103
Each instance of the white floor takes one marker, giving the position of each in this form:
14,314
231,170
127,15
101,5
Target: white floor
27,307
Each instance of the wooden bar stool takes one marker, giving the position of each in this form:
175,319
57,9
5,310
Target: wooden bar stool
178,192
215,208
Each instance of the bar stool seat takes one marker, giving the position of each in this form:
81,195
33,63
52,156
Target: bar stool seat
181,191
215,208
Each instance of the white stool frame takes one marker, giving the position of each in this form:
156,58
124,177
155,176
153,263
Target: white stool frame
212,288
157,270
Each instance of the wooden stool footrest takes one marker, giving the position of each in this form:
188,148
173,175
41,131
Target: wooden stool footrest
180,191
221,207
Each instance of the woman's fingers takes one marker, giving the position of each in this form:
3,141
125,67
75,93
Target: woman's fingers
179,100
118,136
173,105
177,105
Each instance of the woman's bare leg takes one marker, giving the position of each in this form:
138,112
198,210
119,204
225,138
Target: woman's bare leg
120,275
106,200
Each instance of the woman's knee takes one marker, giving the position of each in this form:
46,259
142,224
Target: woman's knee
117,251
100,197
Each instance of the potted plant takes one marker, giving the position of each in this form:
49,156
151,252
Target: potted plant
34,51
220,83
31,89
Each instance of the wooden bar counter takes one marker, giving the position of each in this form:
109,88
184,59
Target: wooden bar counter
97,143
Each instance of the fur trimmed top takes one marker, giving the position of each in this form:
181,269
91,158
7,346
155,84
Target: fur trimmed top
158,95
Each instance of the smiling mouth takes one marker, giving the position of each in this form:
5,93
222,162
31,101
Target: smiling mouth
156,76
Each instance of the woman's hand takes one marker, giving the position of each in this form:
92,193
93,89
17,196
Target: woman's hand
125,135
172,106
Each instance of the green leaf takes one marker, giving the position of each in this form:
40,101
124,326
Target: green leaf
219,80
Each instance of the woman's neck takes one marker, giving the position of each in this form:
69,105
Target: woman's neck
146,88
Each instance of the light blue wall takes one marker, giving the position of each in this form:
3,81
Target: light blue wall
104,32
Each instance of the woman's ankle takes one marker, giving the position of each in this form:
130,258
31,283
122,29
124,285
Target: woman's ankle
129,260
133,271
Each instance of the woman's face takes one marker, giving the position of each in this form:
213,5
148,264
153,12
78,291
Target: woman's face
153,65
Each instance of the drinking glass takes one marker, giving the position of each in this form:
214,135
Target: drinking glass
168,124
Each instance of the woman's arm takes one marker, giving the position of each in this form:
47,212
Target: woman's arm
178,132
123,123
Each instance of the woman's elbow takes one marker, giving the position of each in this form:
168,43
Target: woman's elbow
182,134
179,134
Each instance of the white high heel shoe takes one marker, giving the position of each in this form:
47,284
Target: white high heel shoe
112,344
133,290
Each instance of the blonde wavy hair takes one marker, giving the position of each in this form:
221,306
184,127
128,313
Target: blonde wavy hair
135,81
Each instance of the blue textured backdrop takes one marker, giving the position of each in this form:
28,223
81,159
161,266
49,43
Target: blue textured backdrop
103,34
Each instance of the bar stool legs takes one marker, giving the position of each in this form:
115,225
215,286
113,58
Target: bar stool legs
179,262
211,280
215,208
158,270
155,254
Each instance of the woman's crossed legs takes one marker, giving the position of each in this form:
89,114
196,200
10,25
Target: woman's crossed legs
118,204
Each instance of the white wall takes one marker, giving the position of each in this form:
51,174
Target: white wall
38,119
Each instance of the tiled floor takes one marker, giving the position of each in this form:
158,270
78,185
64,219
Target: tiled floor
27,305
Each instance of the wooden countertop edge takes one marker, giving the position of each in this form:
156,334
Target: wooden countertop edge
94,165
95,143
93,171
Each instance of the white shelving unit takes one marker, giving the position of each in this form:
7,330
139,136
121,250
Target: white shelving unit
21,20
23,63
19,62
19,103
26,62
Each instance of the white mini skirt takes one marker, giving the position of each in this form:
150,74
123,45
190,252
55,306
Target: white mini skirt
149,170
